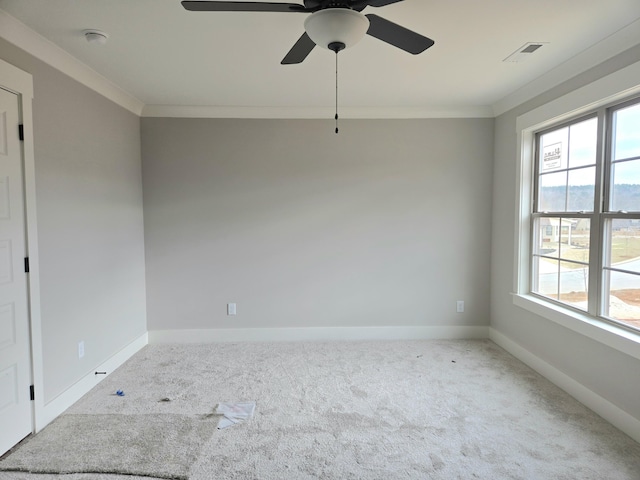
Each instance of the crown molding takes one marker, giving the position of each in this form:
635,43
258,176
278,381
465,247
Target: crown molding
614,44
17,33
182,111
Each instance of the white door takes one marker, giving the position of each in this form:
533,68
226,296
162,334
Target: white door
15,357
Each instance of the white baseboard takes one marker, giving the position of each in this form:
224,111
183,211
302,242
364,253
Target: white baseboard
603,407
50,410
315,334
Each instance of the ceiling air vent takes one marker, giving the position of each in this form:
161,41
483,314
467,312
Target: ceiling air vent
524,52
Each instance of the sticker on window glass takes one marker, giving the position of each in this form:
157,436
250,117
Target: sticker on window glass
552,156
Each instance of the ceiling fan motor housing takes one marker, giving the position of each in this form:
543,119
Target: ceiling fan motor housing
336,26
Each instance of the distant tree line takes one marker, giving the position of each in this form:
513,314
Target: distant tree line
581,197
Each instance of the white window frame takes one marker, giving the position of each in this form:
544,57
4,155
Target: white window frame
616,87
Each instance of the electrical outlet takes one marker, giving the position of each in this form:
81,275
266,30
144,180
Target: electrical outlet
460,306
80,349
231,308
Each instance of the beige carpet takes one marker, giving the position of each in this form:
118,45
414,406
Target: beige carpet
368,410
152,445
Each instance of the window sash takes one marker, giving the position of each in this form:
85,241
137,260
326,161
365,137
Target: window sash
598,268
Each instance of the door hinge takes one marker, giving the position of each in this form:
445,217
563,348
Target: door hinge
26,264
21,132
32,393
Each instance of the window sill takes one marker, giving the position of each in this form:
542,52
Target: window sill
606,333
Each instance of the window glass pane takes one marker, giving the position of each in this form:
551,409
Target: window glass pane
574,284
564,281
547,236
626,134
553,150
583,140
574,241
623,299
625,194
546,282
569,162
552,196
624,245
582,184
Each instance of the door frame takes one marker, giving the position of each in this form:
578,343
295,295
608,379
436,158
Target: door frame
21,83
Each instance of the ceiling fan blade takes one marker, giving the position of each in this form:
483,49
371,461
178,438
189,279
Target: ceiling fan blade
382,3
299,51
213,6
397,36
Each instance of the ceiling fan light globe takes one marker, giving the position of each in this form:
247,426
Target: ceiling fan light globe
336,25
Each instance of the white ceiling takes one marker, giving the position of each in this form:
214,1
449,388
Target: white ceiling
162,54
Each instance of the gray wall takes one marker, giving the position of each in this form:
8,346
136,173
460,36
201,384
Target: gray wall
609,373
385,224
89,207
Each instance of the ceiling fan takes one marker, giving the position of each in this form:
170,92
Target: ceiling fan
333,24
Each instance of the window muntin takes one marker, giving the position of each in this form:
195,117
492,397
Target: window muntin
625,159
585,250
566,168
561,259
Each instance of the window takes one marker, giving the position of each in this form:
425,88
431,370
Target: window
585,214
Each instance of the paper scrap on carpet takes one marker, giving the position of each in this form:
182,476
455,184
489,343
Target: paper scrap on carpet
233,413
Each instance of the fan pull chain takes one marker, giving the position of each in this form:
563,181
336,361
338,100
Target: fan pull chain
337,92
336,47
